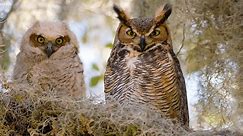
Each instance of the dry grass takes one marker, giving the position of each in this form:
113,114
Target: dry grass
25,112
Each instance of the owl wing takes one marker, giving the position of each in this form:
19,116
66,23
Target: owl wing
108,80
79,76
22,68
182,85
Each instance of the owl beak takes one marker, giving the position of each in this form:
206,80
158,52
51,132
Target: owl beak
142,43
49,49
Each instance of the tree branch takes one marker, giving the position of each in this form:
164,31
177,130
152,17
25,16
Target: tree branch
2,20
3,47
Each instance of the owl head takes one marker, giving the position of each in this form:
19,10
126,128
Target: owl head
141,34
48,39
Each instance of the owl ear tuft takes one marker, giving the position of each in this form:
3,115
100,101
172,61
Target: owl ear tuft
122,16
162,14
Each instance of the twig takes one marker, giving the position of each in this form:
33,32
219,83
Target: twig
2,52
182,42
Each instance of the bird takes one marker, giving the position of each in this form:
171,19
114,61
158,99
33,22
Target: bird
143,68
49,60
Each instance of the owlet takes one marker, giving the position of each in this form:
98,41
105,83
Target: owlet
48,59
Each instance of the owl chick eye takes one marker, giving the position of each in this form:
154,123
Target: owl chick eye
40,39
59,41
130,33
155,33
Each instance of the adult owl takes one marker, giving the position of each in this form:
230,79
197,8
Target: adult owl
143,67
48,59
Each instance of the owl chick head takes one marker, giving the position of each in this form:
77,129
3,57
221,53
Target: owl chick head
143,33
47,38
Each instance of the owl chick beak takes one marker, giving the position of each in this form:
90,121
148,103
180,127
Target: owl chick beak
49,50
142,43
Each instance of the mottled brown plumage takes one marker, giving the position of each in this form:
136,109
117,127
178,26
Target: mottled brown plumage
143,68
48,59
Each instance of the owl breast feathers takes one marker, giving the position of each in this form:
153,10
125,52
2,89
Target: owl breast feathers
143,68
48,60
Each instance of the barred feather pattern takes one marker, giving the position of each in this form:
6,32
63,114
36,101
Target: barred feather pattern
152,78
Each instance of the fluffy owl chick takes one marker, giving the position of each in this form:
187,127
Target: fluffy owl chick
143,67
48,59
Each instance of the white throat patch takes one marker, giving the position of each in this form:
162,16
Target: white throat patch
131,63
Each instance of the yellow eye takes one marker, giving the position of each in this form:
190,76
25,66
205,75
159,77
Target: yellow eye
40,39
130,33
155,33
59,41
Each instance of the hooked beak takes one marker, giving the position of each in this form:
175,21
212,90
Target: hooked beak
142,43
49,51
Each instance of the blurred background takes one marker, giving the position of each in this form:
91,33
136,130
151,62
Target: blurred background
207,37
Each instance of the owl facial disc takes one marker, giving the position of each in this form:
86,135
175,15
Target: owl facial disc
141,34
49,44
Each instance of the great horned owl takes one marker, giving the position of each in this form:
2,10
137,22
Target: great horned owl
48,59
143,68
